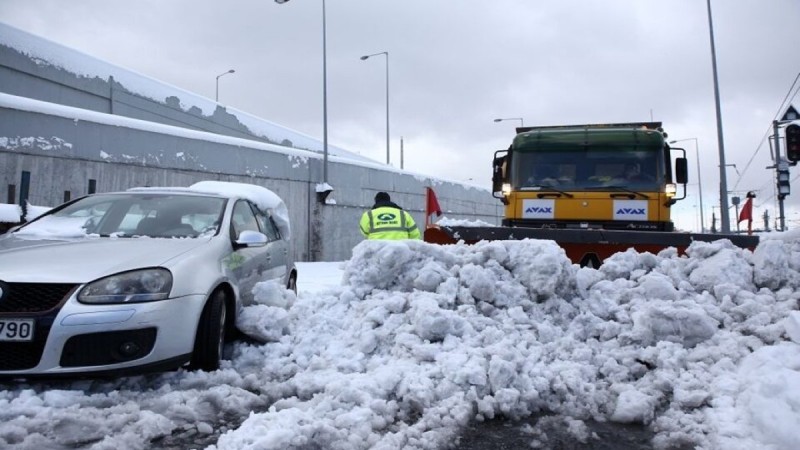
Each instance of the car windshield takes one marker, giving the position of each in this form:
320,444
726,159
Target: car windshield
133,214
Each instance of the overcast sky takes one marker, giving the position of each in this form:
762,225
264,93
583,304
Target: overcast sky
456,66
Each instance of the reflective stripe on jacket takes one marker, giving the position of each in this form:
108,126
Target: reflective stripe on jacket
386,222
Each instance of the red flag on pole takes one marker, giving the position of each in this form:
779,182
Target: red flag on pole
747,211
747,214
431,205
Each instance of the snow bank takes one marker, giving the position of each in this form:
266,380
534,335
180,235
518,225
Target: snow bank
420,340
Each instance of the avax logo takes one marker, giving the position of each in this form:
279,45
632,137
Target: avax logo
540,210
631,211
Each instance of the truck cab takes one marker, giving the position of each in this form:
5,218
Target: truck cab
603,176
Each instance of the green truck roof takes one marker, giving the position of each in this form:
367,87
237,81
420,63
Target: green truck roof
588,136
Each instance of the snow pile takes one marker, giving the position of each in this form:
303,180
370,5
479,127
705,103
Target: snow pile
10,213
420,340
444,221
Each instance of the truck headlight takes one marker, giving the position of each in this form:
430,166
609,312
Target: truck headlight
144,285
671,190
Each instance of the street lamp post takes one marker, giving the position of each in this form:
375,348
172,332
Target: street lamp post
324,94
216,97
699,182
365,57
512,118
723,180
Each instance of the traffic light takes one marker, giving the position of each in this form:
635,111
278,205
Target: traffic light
793,142
783,180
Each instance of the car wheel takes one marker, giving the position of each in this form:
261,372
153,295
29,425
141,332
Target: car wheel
210,338
292,284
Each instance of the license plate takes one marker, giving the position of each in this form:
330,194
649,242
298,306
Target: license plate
16,330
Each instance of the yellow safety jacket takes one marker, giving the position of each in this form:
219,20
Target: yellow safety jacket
386,222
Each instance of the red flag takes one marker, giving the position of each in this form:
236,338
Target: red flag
747,210
431,205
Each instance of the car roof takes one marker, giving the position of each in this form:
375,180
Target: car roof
178,190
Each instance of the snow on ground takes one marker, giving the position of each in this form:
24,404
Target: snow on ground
11,213
407,341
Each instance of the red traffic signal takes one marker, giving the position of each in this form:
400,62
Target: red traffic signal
793,142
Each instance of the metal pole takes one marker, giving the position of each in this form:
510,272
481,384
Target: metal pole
364,58
723,181
401,152
699,179
324,94
779,164
700,187
324,99
387,107
216,96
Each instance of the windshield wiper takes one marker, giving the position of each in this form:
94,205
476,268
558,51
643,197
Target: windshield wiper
624,189
545,187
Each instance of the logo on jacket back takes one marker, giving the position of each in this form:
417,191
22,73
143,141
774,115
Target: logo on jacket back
630,210
538,209
386,218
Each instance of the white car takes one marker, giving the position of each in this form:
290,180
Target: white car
142,280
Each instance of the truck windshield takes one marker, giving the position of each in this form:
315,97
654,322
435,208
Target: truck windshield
588,168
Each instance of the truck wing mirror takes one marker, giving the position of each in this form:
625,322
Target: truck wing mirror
498,170
681,171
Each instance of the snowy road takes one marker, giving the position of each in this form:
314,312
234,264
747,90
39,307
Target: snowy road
408,343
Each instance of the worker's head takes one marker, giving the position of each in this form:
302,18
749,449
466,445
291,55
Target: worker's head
382,197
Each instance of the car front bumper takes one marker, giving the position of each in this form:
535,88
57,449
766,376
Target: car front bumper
77,338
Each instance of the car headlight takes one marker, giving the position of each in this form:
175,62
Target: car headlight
145,285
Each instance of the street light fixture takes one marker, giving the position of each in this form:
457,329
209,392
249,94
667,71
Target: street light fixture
699,182
216,97
512,118
364,58
324,94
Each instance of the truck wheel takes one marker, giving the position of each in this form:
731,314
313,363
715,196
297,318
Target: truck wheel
210,338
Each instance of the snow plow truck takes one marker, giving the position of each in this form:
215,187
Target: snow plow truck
594,189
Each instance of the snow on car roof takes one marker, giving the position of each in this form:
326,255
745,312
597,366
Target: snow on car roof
260,196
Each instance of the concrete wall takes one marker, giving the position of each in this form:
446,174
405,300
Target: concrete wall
63,153
64,129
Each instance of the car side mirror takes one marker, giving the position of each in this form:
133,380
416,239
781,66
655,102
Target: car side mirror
250,238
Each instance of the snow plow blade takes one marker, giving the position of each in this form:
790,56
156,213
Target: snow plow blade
587,247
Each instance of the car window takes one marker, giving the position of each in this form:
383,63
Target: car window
243,219
173,216
134,214
268,225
